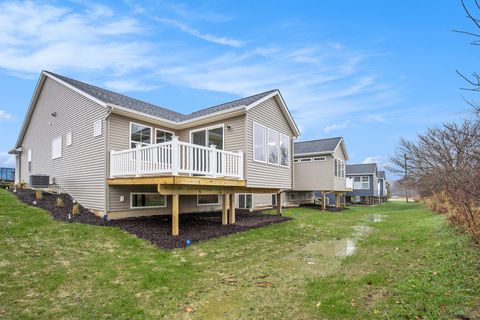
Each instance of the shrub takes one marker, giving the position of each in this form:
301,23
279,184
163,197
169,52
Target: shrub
75,209
39,194
60,202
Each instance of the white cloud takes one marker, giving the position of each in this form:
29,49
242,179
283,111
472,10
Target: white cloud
205,36
374,118
35,36
7,160
381,161
5,116
334,127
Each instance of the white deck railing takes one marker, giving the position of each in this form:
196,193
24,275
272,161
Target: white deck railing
176,157
349,183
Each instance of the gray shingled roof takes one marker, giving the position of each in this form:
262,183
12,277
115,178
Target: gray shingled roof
381,174
121,100
361,168
316,146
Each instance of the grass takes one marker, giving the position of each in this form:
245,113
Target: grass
409,265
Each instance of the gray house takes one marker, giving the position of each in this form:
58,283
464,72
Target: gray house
123,157
319,173
382,186
365,183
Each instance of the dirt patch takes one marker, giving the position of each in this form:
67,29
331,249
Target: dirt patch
319,207
156,229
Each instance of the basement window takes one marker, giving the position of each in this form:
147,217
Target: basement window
147,200
208,200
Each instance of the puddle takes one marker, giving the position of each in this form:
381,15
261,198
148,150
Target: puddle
376,217
347,249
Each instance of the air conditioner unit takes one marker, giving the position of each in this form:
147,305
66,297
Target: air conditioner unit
39,180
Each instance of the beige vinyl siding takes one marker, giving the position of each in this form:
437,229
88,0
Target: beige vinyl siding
315,175
268,114
233,139
119,131
80,171
339,184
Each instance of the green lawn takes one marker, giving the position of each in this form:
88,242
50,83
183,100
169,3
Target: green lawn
343,265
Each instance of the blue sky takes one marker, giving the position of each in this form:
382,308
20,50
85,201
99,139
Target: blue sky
370,71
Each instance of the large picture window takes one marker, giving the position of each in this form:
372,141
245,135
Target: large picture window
259,142
140,134
273,146
284,156
208,199
148,200
208,136
361,182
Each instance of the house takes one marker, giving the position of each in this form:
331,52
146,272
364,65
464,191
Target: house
123,157
382,186
319,172
365,183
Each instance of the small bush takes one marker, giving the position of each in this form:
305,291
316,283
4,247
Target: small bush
39,195
60,202
75,209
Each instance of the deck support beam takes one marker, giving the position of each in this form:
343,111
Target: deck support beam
175,214
344,200
231,216
279,204
224,209
323,200
337,200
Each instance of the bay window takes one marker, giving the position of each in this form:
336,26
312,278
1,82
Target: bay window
259,138
273,146
284,142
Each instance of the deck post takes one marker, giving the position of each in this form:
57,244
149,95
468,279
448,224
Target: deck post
337,200
279,204
231,216
224,209
138,160
213,160
175,217
344,200
175,156
323,200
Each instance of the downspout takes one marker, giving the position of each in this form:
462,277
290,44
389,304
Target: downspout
107,162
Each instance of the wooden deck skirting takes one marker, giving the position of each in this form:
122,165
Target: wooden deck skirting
177,180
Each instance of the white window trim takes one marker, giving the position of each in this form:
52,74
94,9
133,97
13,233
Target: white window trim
130,141
136,208
288,150
68,139
221,125
268,147
29,155
60,144
244,194
265,143
361,182
95,128
322,158
209,204
155,134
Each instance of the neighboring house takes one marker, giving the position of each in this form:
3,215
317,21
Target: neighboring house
123,157
382,186
365,183
319,173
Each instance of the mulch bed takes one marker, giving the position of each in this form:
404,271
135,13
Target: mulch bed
319,207
155,229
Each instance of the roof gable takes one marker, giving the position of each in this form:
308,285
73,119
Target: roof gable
319,146
363,168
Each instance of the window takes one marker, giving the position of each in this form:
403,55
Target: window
208,199
259,138
309,196
97,128
320,159
273,146
208,136
147,200
295,160
245,201
57,148
339,168
29,159
306,160
68,139
361,182
274,199
293,197
139,134
284,142
162,136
